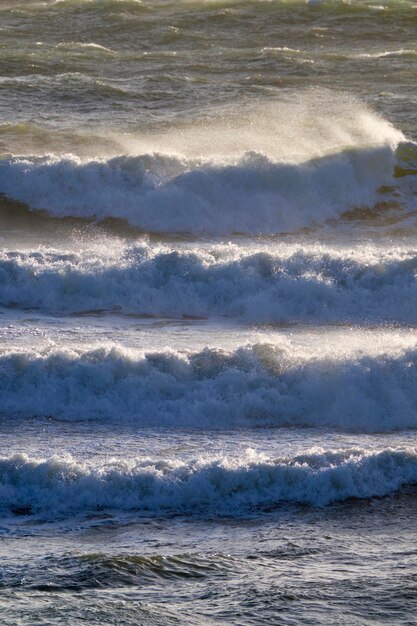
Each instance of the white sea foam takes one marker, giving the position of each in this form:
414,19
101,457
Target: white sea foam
386,53
59,487
255,385
266,169
77,45
284,284
168,194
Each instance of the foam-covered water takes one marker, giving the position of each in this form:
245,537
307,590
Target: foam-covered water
201,487
255,385
252,173
208,313
265,284
255,196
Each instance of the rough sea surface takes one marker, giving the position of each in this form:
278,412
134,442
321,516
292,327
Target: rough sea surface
208,307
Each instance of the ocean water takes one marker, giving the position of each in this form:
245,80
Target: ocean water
208,306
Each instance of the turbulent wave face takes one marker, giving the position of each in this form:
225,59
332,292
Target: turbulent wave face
283,285
254,196
253,386
261,173
62,487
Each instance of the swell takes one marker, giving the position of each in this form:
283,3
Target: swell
145,6
74,572
289,284
58,488
252,386
159,193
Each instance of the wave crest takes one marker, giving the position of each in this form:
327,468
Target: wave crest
59,488
158,193
258,385
285,285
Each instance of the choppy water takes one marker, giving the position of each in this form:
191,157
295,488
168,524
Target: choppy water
208,299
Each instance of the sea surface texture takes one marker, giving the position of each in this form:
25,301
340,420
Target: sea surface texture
208,307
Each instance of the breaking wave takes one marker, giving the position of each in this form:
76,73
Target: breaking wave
159,193
256,385
283,285
59,487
